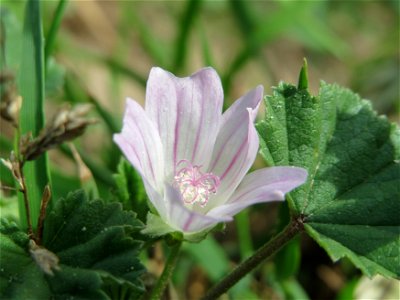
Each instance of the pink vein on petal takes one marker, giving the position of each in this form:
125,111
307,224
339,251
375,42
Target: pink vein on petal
188,222
176,132
198,131
147,151
238,124
235,158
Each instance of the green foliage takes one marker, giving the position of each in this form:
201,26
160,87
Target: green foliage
130,190
351,198
94,242
288,260
55,74
55,24
9,207
31,88
11,39
215,263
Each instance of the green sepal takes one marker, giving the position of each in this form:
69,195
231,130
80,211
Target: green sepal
156,227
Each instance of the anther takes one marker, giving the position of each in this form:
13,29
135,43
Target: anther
194,185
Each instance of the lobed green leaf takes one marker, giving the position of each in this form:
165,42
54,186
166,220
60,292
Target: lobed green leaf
351,199
130,189
95,243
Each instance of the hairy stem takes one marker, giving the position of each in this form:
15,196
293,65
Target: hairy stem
270,248
162,282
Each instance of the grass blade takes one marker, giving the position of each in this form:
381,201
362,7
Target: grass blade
244,234
155,48
121,68
77,93
207,55
193,7
31,87
102,174
55,25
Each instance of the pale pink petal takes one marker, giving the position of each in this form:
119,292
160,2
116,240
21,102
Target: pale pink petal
183,219
157,199
263,185
236,145
187,112
141,144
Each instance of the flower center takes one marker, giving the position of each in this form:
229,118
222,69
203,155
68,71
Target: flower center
195,186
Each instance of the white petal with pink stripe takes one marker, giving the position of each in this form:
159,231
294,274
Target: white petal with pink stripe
193,159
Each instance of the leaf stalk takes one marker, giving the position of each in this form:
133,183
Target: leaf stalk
162,282
267,250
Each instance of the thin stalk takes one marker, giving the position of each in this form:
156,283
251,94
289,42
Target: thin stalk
121,67
186,23
26,202
27,208
55,25
162,282
261,254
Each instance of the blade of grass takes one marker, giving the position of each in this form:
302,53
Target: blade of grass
207,55
77,93
55,25
210,256
70,47
100,173
6,177
150,43
244,237
10,39
213,259
123,69
262,31
31,88
192,9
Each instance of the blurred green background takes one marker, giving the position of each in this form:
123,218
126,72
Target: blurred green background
103,51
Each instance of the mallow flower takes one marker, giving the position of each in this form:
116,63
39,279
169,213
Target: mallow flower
193,158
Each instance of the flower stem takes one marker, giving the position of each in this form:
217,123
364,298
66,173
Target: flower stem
162,282
27,206
270,248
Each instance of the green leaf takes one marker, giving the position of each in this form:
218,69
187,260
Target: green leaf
31,88
94,242
215,263
350,201
347,292
130,190
20,277
55,25
185,25
293,290
288,260
11,30
55,74
9,207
